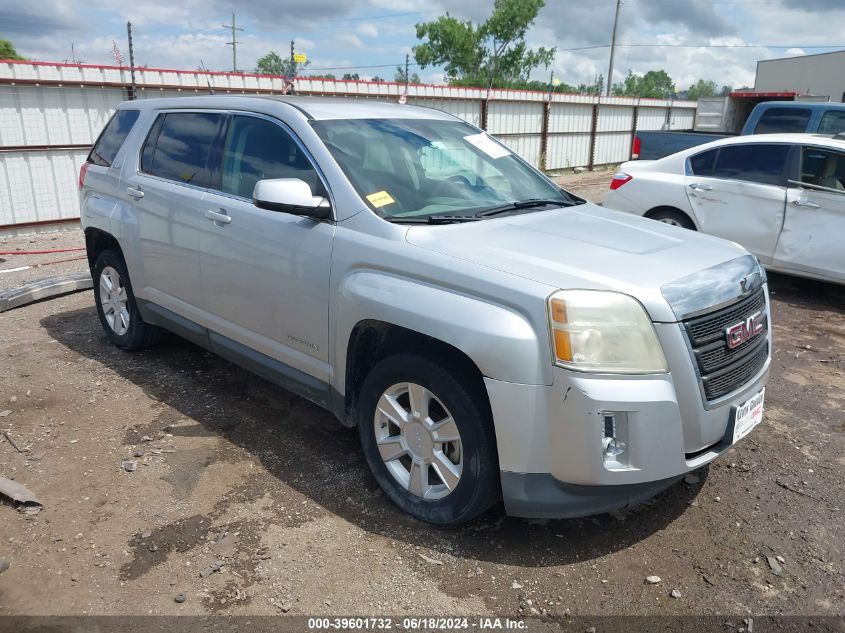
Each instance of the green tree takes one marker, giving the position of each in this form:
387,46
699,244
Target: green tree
655,84
702,88
595,88
7,50
399,76
351,76
725,91
273,64
378,79
491,54
325,76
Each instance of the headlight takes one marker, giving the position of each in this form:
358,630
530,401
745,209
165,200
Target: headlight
606,332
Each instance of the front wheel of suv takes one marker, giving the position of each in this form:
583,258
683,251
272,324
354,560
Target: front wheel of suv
116,304
428,440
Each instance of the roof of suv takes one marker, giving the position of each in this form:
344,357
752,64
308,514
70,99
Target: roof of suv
311,107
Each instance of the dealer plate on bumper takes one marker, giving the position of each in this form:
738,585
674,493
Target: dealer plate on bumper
748,415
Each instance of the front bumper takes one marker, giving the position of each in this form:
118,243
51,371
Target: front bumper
550,436
541,496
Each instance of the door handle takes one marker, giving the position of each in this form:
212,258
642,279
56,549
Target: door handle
135,192
699,187
807,204
218,217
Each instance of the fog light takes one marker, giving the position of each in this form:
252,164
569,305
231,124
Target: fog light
614,440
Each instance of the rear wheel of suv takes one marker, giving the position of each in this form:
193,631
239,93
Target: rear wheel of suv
428,440
116,304
672,217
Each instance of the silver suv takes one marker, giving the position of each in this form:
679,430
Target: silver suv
490,335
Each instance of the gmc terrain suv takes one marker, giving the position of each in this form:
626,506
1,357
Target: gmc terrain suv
490,335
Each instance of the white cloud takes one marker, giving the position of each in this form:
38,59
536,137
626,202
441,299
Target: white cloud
349,40
368,29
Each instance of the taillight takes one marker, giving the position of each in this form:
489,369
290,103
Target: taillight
619,179
635,150
82,171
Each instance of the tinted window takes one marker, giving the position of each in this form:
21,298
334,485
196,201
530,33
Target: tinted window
832,123
256,149
755,163
177,147
823,168
781,120
702,164
110,141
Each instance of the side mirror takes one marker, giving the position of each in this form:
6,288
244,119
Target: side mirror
290,195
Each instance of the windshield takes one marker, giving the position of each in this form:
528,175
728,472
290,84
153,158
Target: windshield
419,169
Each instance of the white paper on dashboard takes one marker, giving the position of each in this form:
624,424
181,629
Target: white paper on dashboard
487,145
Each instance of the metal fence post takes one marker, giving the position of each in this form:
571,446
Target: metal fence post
484,106
593,133
544,135
634,119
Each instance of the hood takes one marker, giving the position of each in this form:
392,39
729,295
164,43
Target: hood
585,247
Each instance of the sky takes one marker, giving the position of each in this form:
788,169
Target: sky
710,39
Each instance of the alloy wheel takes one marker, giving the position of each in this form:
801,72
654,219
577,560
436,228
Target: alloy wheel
114,300
418,441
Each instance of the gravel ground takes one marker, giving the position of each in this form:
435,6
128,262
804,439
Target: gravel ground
252,501
46,265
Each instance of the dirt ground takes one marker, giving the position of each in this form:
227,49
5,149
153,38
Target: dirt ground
252,501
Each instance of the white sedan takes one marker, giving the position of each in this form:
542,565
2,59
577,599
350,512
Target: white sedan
781,196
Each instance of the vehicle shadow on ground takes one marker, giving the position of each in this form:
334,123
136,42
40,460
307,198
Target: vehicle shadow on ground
807,293
306,449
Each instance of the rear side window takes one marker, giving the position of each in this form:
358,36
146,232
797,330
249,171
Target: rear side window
112,137
178,146
783,120
832,122
702,164
759,163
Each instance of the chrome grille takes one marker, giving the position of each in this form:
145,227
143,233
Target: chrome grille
722,369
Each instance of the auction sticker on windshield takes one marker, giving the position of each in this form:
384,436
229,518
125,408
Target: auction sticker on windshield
748,415
487,145
380,198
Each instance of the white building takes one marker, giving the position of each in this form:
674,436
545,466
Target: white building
822,75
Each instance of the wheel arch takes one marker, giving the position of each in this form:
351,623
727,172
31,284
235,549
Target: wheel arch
97,241
501,341
373,340
668,207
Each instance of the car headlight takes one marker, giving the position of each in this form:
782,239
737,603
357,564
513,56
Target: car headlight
604,332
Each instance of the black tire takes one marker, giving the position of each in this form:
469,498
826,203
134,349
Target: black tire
478,487
673,217
138,334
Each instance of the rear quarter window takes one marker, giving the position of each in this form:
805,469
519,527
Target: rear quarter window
702,164
112,137
783,120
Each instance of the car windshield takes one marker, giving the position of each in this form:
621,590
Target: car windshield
418,170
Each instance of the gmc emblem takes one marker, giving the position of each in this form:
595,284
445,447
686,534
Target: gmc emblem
743,331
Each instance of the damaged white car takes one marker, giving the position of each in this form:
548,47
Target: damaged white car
781,196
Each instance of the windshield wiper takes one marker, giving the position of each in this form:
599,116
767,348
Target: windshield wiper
525,204
433,219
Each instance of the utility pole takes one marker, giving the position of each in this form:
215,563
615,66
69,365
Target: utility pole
292,68
133,91
407,76
234,43
612,49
